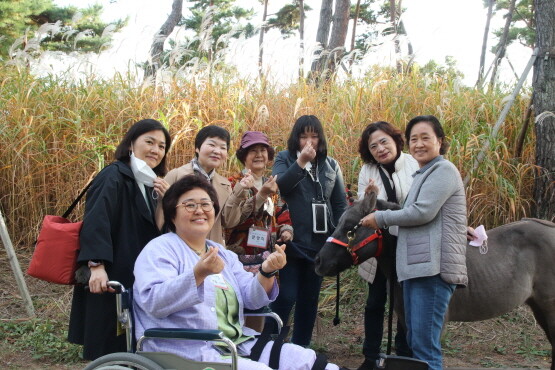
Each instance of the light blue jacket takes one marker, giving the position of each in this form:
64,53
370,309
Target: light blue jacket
165,295
432,225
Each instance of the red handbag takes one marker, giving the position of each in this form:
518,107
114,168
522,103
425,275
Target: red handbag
55,256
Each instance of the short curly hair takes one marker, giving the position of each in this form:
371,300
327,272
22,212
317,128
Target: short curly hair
241,153
180,187
386,127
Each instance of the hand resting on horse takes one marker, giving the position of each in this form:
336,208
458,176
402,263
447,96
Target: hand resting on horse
370,221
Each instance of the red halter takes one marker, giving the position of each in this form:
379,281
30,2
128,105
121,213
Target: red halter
352,250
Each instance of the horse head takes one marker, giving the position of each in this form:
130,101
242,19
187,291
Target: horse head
351,244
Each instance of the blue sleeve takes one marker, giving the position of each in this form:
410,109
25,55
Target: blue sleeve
289,175
159,289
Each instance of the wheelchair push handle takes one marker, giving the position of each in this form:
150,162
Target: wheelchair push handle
117,286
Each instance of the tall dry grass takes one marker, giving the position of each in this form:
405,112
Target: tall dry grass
56,134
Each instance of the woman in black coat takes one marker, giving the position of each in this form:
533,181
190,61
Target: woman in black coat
311,183
118,223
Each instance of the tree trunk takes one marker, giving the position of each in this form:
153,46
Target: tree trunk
522,135
339,32
502,43
544,108
301,35
353,36
403,31
485,44
393,20
158,44
261,39
322,35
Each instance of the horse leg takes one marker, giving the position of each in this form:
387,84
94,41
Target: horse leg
546,320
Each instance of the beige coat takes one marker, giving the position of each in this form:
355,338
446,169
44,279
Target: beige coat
223,189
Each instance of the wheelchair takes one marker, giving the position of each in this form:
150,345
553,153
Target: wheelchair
143,360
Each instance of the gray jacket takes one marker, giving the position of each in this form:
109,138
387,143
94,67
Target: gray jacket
432,225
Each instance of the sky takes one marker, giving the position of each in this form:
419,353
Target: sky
437,28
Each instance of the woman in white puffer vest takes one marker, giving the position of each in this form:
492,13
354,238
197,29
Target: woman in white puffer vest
380,148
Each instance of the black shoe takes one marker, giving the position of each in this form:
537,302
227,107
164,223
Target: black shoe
404,351
368,364
344,368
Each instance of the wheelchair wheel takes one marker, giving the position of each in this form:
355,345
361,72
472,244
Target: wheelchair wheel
121,361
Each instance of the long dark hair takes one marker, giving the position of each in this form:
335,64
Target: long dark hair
139,128
312,123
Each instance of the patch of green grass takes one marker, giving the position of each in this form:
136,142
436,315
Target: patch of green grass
489,362
448,347
45,339
530,352
500,350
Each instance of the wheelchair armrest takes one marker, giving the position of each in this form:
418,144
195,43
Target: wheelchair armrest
177,333
262,310
266,312
190,334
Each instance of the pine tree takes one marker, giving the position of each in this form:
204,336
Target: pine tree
209,26
71,28
15,19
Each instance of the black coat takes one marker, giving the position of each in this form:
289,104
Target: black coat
298,189
116,226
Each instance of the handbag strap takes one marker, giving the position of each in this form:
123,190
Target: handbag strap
72,206
391,197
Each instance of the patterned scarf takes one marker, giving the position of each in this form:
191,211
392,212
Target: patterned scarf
198,169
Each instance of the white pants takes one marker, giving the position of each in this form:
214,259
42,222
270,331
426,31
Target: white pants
292,357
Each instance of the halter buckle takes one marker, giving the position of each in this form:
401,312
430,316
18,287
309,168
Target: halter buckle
351,236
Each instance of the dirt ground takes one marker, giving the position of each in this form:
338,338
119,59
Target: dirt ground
513,340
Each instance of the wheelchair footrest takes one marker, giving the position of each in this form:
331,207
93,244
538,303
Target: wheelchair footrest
399,363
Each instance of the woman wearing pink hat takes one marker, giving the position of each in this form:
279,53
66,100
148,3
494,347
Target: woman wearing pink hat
252,212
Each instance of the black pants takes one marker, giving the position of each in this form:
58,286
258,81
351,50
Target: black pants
374,318
299,287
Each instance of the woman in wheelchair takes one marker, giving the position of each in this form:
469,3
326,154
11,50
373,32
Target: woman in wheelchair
184,280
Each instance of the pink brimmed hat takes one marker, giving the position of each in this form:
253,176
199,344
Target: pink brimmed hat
251,138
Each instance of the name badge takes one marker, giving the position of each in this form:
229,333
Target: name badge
258,237
219,281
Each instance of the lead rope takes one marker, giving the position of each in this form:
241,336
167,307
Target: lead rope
391,303
336,319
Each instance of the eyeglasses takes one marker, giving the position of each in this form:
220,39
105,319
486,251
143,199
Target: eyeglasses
206,205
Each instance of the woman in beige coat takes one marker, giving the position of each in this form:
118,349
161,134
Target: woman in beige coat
211,147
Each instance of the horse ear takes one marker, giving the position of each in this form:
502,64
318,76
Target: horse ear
382,204
369,202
